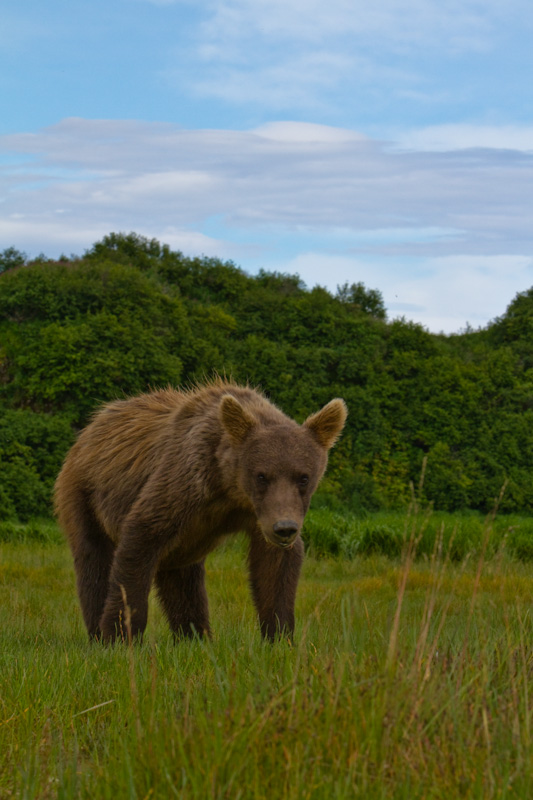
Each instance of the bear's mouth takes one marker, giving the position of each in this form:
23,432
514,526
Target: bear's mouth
283,541
285,545
282,534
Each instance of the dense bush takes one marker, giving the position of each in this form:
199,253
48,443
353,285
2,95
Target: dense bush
132,314
31,450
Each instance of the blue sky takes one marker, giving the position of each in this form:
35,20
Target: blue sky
388,142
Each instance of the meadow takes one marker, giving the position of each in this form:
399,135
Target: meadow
409,676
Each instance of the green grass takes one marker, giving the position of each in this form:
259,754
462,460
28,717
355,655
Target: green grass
406,679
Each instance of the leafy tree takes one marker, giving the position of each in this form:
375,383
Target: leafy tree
78,334
11,258
129,248
515,327
73,367
358,298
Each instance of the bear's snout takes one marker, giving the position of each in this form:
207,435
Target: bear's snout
285,531
285,527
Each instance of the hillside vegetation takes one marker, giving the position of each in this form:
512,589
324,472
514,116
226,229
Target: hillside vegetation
132,314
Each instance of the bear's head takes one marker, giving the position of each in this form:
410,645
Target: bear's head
280,463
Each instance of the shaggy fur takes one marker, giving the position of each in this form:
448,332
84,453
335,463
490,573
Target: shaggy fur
155,482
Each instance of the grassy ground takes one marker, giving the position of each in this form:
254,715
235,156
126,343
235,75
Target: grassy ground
406,679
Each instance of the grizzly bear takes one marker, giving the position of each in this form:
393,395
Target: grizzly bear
155,482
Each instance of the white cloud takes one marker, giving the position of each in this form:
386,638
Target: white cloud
285,174
443,294
454,290
316,199
305,132
55,236
34,236
442,138
191,242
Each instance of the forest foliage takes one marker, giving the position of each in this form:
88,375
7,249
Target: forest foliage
132,314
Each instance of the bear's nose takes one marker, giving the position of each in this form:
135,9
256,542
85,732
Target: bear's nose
285,528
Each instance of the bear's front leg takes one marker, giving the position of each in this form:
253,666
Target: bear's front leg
184,599
274,575
134,565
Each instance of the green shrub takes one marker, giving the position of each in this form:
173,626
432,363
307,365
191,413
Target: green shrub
32,448
382,539
40,531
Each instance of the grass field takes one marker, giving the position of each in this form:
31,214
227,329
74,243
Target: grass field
406,679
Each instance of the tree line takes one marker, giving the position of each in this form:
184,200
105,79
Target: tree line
451,413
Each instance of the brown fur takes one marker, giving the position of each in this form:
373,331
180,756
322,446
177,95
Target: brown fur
154,483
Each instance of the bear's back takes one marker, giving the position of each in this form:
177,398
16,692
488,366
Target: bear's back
128,441
126,438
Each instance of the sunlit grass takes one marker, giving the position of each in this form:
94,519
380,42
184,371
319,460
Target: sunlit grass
406,679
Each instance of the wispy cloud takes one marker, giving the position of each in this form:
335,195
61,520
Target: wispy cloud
294,54
345,61
406,22
299,80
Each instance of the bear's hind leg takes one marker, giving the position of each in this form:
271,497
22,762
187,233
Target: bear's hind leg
184,599
93,553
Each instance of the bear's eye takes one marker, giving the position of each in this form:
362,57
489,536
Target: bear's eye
303,480
261,479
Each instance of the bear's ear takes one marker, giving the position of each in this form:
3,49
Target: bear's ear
326,425
237,422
